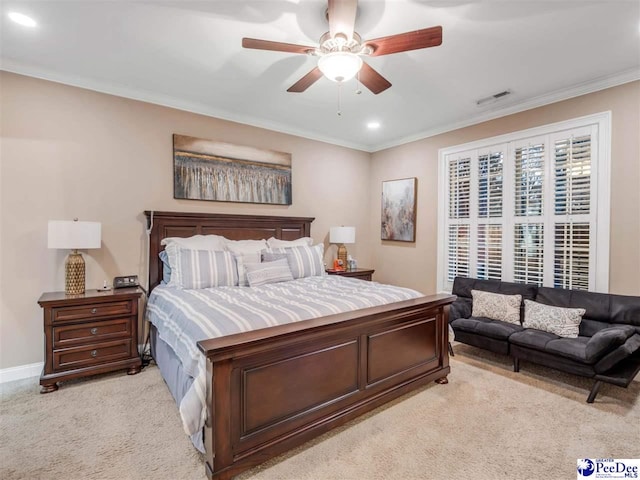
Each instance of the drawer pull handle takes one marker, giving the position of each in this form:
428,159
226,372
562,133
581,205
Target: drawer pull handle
94,353
94,330
94,310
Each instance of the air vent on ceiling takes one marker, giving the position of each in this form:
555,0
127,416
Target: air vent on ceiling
493,98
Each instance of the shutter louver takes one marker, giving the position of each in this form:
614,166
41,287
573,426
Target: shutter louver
529,169
489,265
528,255
490,185
459,188
571,256
573,175
458,251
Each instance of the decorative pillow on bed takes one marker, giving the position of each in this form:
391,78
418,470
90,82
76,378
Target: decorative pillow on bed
304,261
166,268
496,306
268,272
201,268
197,242
300,242
564,322
246,252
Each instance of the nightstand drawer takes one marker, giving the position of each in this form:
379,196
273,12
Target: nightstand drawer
86,356
79,334
83,312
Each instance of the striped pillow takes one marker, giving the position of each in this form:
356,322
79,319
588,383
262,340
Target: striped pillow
304,261
201,268
268,272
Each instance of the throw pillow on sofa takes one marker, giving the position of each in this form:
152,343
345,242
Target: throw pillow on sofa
564,322
496,306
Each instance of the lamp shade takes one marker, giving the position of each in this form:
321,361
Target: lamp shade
340,66
342,235
74,235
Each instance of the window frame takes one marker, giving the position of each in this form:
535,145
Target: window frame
600,124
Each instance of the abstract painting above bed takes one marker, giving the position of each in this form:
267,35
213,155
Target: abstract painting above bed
208,170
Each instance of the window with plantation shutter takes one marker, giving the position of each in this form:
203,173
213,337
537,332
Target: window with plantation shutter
528,207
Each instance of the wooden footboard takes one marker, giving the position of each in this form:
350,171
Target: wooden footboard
270,390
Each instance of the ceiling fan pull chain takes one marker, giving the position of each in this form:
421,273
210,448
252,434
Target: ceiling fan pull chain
358,91
339,99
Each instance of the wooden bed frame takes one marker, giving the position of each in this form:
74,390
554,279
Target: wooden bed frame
272,389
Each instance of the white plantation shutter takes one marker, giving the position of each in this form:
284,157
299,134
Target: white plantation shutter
459,187
458,251
528,253
571,256
489,263
531,210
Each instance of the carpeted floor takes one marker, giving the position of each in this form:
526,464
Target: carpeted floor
487,423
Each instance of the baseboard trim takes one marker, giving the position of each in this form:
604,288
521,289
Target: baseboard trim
20,372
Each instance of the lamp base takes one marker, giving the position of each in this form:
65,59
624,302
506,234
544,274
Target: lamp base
74,274
342,255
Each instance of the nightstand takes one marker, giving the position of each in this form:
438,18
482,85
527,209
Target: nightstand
360,273
95,332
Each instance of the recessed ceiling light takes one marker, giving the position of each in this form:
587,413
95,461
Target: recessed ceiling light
22,19
373,125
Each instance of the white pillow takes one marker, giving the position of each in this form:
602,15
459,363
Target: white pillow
276,243
269,272
496,306
246,252
197,242
201,268
564,322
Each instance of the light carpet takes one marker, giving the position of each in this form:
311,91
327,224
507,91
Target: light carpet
487,423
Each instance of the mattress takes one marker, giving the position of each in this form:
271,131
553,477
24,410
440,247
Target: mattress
184,317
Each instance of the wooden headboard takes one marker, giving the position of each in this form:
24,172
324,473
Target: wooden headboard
234,227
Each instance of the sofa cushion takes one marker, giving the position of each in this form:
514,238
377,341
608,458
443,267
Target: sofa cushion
606,340
486,326
462,287
496,306
601,307
531,338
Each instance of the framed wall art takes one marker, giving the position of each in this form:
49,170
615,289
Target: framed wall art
398,220
222,172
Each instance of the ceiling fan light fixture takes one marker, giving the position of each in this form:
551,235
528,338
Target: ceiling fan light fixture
340,66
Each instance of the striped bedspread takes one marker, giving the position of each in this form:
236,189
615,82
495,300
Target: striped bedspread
183,317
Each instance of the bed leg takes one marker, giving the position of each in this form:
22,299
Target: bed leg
442,380
594,391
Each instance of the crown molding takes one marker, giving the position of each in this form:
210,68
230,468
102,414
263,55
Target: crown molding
584,88
167,101
192,107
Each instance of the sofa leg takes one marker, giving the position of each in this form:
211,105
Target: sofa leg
516,364
451,350
594,391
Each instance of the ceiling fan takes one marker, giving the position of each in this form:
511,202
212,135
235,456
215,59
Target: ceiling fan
341,49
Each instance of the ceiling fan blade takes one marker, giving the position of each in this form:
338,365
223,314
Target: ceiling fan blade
276,46
427,37
372,79
342,17
305,82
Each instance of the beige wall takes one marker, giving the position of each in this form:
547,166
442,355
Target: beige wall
68,152
414,265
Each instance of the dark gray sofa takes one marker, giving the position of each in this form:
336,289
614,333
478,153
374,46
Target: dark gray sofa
607,348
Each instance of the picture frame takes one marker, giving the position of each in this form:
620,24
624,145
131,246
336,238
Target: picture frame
223,172
398,210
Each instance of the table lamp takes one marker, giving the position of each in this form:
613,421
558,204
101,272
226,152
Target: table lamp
73,236
342,235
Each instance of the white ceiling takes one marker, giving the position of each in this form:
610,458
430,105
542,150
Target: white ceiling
188,55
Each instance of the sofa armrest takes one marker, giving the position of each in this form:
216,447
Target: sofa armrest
606,340
624,351
461,308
